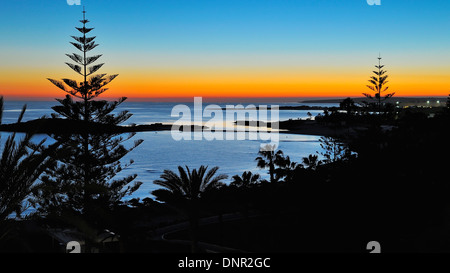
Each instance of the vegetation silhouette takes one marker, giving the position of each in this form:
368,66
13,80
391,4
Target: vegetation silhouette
80,189
385,182
380,176
267,159
311,162
381,183
186,192
247,179
348,105
21,164
378,85
333,151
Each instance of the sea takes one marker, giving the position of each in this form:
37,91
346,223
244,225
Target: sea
160,150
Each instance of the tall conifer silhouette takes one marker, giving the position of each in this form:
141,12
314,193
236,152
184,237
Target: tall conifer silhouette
80,187
378,85
92,85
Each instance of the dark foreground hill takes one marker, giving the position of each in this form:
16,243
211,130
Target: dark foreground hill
64,126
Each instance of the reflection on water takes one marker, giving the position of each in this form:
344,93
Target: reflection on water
160,151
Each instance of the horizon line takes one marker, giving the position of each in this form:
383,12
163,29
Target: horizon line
212,98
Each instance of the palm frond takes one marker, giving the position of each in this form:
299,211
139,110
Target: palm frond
22,113
210,174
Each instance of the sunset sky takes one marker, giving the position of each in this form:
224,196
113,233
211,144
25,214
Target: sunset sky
230,48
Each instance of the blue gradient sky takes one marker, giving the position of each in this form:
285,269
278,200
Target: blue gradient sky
167,39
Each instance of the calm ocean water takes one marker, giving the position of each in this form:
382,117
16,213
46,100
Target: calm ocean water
160,151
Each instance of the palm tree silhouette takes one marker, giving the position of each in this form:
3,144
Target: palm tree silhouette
186,191
21,164
268,159
246,180
311,162
286,167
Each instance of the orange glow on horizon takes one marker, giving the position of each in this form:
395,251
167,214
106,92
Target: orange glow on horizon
227,83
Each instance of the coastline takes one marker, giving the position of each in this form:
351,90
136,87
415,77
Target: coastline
61,126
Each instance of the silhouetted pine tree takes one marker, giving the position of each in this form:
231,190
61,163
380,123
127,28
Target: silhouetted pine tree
378,85
80,187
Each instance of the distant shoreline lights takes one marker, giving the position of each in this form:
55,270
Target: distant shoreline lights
234,122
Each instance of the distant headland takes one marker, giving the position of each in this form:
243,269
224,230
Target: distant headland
403,101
